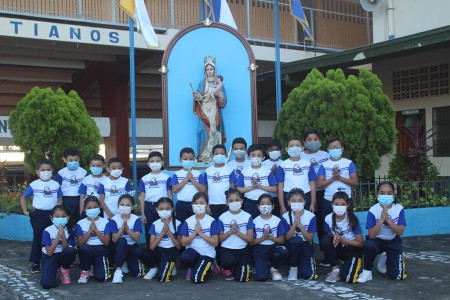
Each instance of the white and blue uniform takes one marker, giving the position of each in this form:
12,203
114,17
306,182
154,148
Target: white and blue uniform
346,168
70,180
273,166
113,189
237,167
296,174
316,160
90,184
218,181
166,241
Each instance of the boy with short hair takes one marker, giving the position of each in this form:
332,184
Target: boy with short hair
186,183
218,181
239,148
272,162
255,180
70,179
112,188
152,187
90,184
46,195
295,172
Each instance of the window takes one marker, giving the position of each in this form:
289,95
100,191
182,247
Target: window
441,140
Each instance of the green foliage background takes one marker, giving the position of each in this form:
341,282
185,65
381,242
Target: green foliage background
354,109
44,123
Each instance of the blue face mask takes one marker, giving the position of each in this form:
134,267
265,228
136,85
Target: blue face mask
294,151
92,213
385,200
335,153
220,159
73,165
188,164
60,221
96,170
313,146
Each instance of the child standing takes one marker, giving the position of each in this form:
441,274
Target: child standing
274,153
302,226
112,187
186,183
165,242
239,148
153,186
386,224
126,230
57,250
255,180
343,241
70,179
90,184
296,173
93,233
236,232
46,195
268,252
218,180
200,236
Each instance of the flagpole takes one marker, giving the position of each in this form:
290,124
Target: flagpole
133,101
277,57
202,11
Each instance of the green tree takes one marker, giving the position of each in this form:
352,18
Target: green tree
353,109
44,123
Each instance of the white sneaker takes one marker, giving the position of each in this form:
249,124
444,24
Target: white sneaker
293,273
125,268
364,276
381,265
117,277
151,274
174,271
276,276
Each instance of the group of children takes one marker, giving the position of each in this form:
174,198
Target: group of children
235,214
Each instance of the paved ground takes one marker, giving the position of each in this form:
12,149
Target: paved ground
427,259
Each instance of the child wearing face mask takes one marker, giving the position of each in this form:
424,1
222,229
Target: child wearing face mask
200,236
185,183
343,241
46,194
273,162
112,187
295,172
255,180
218,181
165,242
239,150
70,179
268,251
90,184
93,234
302,226
57,250
236,232
153,186
126,230
386,224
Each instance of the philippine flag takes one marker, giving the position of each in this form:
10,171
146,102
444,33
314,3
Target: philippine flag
220,11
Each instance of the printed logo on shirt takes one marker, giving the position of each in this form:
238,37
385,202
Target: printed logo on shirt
341,189
153,183
216,177
73,180
239,169
96,186
313,162
47,192
266,227
297,170
114,190
255,177
337,167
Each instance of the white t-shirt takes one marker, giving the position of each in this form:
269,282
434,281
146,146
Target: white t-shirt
237,167
83,226
244,222
396,214
113,189
308,220
166,241
276,226
316,160
209,228
49,236
45,194
343,227
70,180
189,190
265,178
296,174
218,181
273,166
346,167
155,186
134,223
89,185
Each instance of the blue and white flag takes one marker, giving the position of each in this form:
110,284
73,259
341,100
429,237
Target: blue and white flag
220,12
297,13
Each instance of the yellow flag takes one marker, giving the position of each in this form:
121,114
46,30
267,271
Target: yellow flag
137,10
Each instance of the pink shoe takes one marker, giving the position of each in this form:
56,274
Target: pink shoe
188,274
65,275
84,276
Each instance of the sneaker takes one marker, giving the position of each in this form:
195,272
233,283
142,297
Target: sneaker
151,274
228,275
215,268
84,276
174,271
188,274
333,277
324,263
293,273
364,276
381,265
118,274
125,268
35,268
276,276
65,275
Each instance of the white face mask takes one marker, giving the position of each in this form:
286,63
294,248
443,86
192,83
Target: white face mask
116,173
155,166
125,210
297,206
274,155
265,209
255,161
199,209
339,210
235,206
239,153
45,175
164,214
